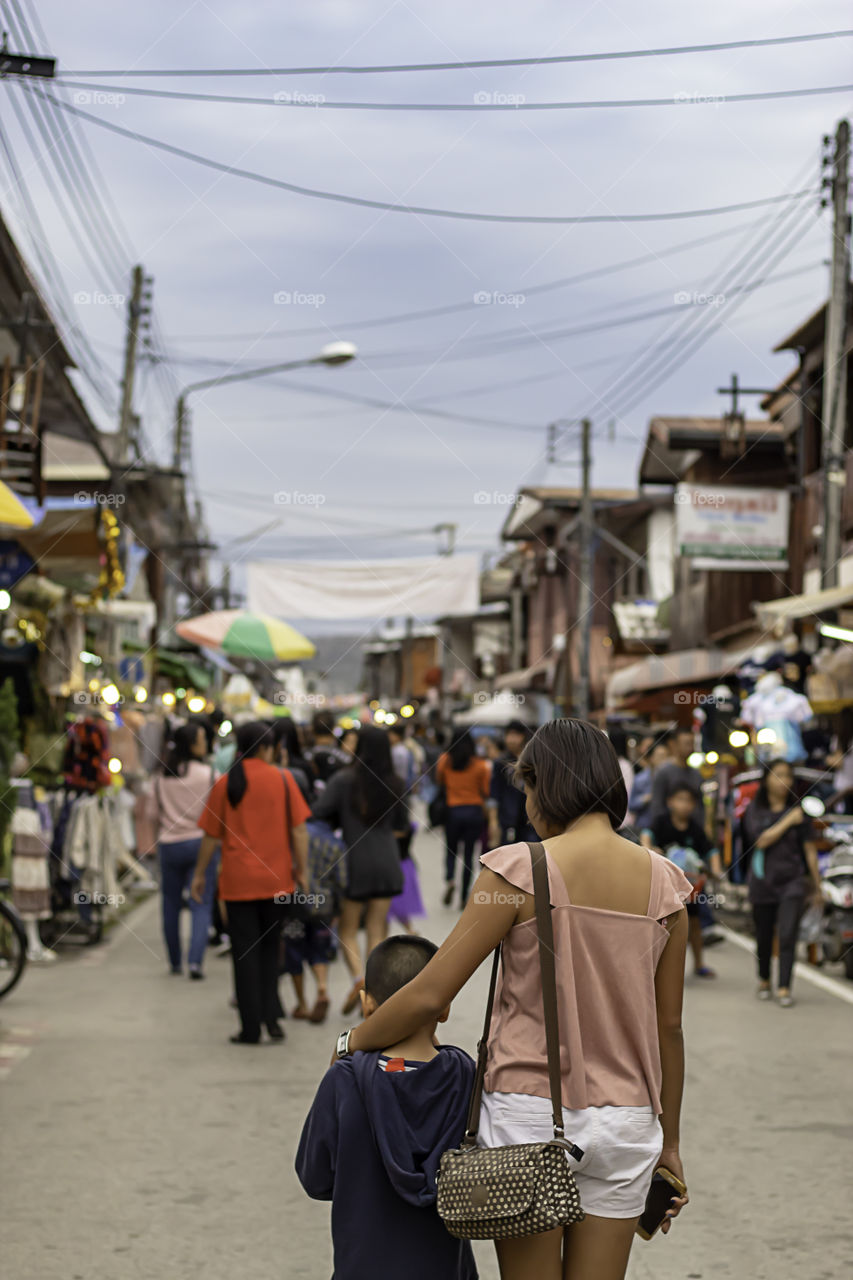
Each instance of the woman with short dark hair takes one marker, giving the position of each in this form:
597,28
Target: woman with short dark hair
258,814
620,936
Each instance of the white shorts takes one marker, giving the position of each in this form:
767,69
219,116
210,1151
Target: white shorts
621,1146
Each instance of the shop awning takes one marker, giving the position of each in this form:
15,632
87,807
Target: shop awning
687,667
812,604
525,676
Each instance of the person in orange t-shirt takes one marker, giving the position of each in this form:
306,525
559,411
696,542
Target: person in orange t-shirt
466,779
258,814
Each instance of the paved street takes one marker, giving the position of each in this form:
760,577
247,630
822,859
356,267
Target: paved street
138,1143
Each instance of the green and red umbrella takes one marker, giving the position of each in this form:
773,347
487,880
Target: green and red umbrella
247,635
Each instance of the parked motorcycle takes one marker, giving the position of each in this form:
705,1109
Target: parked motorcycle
837,888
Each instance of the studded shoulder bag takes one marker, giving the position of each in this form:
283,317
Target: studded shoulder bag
494,1193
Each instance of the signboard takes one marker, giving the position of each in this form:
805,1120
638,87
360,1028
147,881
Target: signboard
14,563
728,527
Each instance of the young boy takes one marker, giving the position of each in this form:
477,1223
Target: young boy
678,835
375,1134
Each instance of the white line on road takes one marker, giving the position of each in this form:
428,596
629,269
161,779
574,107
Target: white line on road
805,971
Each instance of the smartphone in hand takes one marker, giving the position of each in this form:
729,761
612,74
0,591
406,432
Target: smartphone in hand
665,1186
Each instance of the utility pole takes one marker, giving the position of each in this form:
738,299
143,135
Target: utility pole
582,700
834,408
179,434
135,310
25,64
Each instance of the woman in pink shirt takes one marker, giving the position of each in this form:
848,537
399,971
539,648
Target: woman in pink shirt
620,934
177,798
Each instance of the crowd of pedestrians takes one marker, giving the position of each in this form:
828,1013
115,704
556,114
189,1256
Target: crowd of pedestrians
304,845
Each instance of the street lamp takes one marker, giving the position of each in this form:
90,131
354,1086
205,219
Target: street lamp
333,353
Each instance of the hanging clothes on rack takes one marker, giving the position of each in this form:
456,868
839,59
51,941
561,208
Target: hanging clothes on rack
87,755
30,830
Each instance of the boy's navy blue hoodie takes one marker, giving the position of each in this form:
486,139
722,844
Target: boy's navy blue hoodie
371,1144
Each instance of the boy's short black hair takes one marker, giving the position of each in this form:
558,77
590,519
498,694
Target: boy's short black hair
677,788
572,770
395,962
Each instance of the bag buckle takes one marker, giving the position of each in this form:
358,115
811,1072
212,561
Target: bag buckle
573,1149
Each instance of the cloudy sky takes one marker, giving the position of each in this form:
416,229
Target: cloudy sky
248,275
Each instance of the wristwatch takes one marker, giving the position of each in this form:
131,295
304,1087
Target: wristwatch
342,1049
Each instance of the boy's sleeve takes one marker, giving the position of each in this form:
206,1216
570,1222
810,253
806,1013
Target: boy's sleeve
316,1156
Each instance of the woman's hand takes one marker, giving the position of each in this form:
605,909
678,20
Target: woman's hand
197,886
672,1160
796,817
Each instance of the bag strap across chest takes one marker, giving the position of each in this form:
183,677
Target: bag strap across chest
548,972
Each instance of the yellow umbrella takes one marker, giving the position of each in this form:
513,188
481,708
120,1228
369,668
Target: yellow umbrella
12,511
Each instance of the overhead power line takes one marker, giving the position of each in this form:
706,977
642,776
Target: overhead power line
471,304
558,219
473,64
481,102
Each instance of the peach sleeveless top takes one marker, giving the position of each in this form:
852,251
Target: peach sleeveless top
606,962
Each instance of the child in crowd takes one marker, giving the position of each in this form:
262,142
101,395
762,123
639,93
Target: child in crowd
376,1132
679,836
309,936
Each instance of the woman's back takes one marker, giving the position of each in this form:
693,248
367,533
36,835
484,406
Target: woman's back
608,903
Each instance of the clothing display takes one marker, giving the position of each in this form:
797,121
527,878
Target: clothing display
782,711
31,830
87,755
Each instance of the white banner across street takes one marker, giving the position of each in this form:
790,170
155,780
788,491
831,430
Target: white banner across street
425,587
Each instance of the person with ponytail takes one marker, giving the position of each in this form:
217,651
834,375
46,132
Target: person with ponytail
366,801
175,801
258,814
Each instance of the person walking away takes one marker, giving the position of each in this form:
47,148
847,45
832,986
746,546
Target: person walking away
258,814
175,801
620,937
309,938
326,755
679,837
376,1132
466,779
366,802
681,745
784,857
640,798
288,755
508,820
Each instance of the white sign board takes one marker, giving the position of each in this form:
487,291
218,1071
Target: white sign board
728,527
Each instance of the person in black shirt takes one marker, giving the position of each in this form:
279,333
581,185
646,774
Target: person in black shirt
325,756
783,856
680,837
508,820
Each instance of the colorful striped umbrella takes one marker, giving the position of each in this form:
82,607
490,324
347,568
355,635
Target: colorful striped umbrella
247,635
12,511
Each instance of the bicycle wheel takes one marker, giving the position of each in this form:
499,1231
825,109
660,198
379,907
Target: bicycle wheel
13,950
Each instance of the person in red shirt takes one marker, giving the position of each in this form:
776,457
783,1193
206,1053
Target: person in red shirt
466,779
258,814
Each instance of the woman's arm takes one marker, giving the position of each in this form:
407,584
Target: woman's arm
771,834
488,917
669,997
205,853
